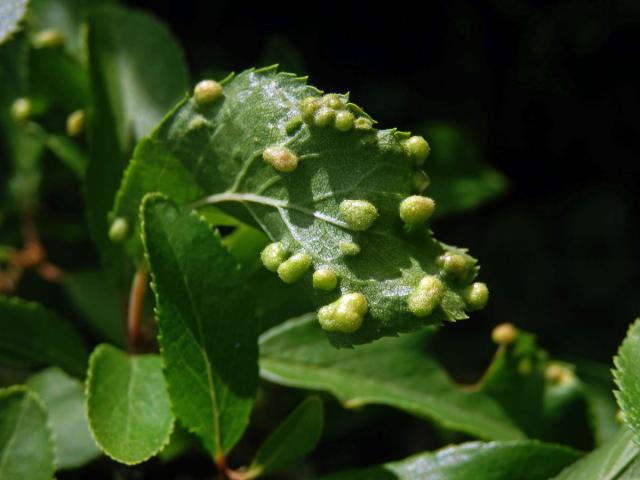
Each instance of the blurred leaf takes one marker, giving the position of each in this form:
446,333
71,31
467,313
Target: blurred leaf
394,371
137,73
207,333
127,404
294,438
33,335
69,153
99,302
615,460
11,13
63,398
26,448
474,460
460,178
627,377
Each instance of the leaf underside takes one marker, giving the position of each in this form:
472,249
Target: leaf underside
212,154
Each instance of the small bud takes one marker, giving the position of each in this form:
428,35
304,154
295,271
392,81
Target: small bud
323,117
558,374
426,296
454,264
345,314
476,296
359,214
292,125
75,123
344,121
21,109
273,255
417,209
280,158
349,248
504,334
49,39
363,124
325,279
308,108
291,270
417,148
207,91
119,230
421,181
333,100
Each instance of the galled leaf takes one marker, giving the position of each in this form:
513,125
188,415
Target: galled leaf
11,13
127,404
627,376
207,333
26,448
325,186
474,460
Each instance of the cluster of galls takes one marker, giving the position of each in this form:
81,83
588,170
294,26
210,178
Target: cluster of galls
331,109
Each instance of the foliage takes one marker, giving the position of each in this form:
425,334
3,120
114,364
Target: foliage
288,245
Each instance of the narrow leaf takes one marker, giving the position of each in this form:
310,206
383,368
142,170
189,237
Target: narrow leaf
627,377
207,333
11,13
291,441
487,461
26,448
35,336
296,354
249,152
127,404
64,400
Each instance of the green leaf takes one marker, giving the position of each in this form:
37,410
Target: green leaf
212,153
127,404
33,335
137,74
461,180
296,354
207,333
627,377
291,441
26,448
11,13
64,400
523,460
615,460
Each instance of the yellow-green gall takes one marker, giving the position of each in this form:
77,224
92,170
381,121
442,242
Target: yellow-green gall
273,255
349,248
454,264
49,39
207,91
426,296
21,109
292,125
417,209
333,100
325,279
324,116
119,230
359,214
504,334
291,270
417,148
345,314
344,120
420,181
558,374
280,158
476,296
308,108
75,123
363,124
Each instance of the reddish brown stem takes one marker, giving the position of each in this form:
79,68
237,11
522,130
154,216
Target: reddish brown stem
136,303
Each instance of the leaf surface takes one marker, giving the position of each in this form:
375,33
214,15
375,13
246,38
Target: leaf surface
213,154
208,337
627,377
127,404
11,13
26,448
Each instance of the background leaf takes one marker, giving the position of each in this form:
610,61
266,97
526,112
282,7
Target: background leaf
127,404
26,448
207,333
486,461
64,400
33,335
296,354
11,13
296,436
